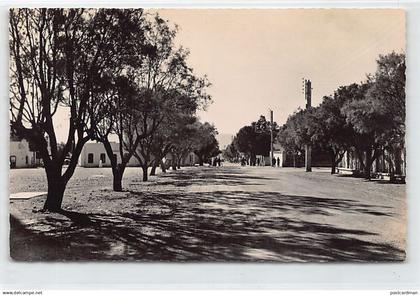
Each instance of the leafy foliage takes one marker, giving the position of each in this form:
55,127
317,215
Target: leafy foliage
255,139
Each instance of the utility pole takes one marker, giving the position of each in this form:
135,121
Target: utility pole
308,148
271,139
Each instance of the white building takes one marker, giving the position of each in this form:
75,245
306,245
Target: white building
279,155
20,154
94,155
190,160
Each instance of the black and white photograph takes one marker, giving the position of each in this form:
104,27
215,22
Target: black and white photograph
207,135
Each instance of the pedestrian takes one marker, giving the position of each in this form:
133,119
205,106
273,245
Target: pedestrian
278,162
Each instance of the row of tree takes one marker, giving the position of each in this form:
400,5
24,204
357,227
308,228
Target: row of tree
367,119
251,140
116,73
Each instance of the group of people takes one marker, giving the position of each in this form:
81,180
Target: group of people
217,161
275,162
243,161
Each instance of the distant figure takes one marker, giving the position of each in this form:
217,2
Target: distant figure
243,162
100,163
278,162
218,162
258,161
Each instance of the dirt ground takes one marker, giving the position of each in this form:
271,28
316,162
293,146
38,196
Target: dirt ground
226,213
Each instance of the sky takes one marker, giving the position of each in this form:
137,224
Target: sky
256,58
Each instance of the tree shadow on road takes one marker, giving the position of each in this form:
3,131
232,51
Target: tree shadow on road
212,176
200,226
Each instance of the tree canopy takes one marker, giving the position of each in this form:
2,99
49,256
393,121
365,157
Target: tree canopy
366,118
115,72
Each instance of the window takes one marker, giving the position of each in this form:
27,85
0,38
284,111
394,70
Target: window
103,157
90,158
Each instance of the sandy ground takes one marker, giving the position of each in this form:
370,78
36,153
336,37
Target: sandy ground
226,213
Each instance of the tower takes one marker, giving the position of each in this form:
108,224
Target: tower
308,148
308,93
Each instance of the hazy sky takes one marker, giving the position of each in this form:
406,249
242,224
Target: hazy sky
255,59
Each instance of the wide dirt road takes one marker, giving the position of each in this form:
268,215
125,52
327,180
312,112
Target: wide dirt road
226,213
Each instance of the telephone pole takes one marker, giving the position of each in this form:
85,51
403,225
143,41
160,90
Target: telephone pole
271,140
308,148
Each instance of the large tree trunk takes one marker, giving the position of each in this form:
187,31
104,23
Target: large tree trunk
336,158
163,167
333,163
253,160
368,164
117,180
56,188
359,155
370,158
145,175
153,170
57,180
117,169
397,155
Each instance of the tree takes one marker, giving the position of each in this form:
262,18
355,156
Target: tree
231,153
369,120
166,138
296,133
207,145
388,90
330,129
177,134
58,60
262,129
173,112
255,139
162,83
245,142
376,112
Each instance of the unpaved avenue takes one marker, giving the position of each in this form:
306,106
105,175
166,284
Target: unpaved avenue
212,214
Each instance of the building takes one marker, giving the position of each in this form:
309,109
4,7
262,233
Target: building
21,155
94,155
285,158
280,155
190,160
